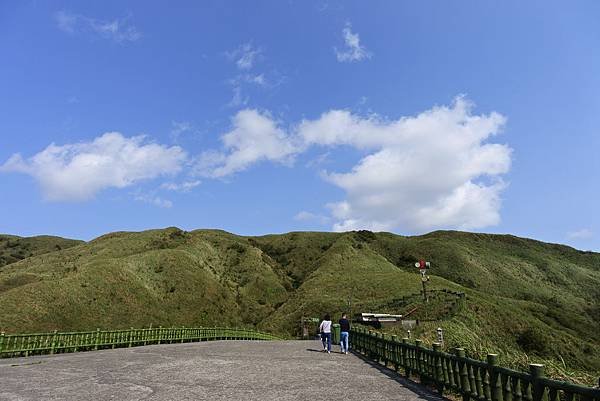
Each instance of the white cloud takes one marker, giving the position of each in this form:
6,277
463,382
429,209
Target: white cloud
323,158
435,169
185,186
247,79
76,172
353,50
244,56
432,170
178,128
238,98
312,217
255,137
66,21
258,79
154,200
584,233
118,30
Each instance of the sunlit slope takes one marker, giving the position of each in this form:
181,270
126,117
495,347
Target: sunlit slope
524,297
346,275
165,277
562,283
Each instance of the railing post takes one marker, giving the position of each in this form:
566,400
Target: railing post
405,360
363,341
392,340
438,373
372,344
537,372
495,385
383,349
454,371
97,339
464,375
506,387
2,336
419,364
53,347
375,345
395,348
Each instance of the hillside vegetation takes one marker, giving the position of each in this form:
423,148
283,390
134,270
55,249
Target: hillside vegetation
526,299
13,248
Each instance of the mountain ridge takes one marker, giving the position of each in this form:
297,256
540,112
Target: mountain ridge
524,296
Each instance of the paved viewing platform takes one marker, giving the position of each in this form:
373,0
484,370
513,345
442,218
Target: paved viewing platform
219,370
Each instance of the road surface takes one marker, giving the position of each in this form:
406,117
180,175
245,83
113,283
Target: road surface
216,370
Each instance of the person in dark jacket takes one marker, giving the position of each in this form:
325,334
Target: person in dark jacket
344,334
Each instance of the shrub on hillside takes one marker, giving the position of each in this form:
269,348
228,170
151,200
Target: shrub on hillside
534,340
365,235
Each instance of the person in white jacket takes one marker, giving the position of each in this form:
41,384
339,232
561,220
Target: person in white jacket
325,329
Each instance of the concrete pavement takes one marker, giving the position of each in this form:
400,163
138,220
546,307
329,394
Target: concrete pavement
219,370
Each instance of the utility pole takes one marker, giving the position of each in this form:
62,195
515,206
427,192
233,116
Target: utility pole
423,266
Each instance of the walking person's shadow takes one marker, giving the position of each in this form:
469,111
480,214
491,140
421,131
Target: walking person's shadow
321,350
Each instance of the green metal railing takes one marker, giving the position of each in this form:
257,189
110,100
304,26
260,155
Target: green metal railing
15,345
473,379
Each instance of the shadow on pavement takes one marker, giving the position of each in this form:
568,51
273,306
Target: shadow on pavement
320,350
420,390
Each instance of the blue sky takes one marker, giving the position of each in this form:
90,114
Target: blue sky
276,116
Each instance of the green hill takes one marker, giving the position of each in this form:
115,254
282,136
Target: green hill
13,248
527,300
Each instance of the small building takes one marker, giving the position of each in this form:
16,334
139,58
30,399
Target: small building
378,320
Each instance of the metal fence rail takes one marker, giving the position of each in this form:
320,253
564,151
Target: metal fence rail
473,379
15,345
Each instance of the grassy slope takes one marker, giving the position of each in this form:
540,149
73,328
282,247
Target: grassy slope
119,280
561,284
526,298
13,248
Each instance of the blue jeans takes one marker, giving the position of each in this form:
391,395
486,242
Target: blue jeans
326,338
344,341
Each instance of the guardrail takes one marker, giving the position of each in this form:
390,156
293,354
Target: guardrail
473,379
15,345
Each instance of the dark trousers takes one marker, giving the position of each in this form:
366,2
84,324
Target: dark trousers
326,338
